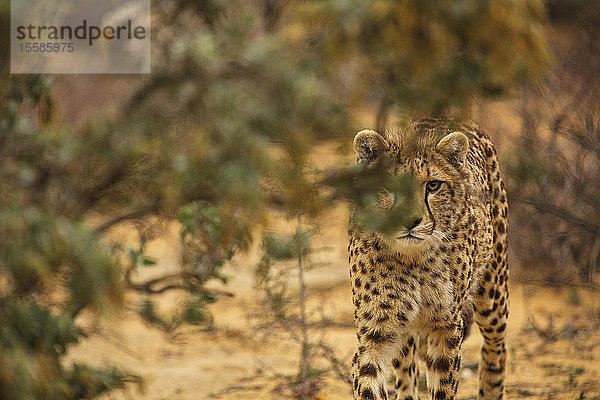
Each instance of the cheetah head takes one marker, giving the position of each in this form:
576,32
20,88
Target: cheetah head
434,160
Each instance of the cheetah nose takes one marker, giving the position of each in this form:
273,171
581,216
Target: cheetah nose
416,221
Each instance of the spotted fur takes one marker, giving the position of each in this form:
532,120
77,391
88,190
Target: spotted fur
415,291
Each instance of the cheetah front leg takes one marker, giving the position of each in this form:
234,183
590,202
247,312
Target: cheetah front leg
369,368
406,368
443,363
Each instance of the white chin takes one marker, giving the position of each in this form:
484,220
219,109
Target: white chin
410,244
408,236
409,241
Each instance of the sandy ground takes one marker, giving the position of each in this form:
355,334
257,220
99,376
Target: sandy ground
553,337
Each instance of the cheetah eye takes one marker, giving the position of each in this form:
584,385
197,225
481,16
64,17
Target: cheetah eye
433,186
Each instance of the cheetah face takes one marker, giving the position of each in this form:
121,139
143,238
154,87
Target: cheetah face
427,212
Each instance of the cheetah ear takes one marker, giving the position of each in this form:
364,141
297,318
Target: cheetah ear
454,148
369,145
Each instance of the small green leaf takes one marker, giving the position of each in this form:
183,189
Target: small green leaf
222,277
147,260
279,248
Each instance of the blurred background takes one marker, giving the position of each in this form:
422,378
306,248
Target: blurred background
182,235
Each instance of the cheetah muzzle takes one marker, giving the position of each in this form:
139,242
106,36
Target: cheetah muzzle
416,290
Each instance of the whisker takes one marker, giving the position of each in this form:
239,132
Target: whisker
440,235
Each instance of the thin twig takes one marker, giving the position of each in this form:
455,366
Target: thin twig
545,283
305,351
235,388
548,334
141,211
339,367
381,119
181,280
559,212
120,346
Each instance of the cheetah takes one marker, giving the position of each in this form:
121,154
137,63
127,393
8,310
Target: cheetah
416,291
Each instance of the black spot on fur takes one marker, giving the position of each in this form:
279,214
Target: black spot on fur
383,318
440,395
447,380
382,392
441,364
501,227
497,384
368,370
367,394
379,337
452,342
402,317
495,211
493,370
385,305
485,313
